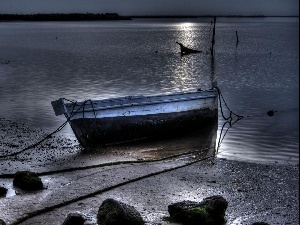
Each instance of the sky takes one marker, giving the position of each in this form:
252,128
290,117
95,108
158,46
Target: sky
154,7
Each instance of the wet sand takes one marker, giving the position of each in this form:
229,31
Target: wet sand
255,192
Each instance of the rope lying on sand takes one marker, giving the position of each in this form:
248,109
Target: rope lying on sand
49,135
37,143
106,189
110,164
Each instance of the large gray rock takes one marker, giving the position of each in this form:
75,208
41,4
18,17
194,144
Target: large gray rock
28,181
112,212
211,211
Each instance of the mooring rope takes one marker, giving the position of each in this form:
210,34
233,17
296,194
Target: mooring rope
73,112
228,120
105,189
94,112
239,117
231,120
37,143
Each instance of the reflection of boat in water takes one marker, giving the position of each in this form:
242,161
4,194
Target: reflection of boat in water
117,120
196,144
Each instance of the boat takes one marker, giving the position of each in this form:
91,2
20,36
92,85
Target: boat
118,120
185,50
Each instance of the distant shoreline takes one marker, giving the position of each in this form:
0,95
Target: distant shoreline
103,16
205,16
62,17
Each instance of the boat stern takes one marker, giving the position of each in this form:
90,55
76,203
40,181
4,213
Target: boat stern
58,107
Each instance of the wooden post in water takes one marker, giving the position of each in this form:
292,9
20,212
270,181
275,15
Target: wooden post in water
237,38
212,65
213,38
212,54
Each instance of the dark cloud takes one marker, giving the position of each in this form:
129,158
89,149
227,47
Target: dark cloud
155,7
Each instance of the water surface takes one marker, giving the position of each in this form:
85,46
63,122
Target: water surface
43,61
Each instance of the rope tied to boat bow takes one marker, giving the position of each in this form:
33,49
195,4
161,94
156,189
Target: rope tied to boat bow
73,112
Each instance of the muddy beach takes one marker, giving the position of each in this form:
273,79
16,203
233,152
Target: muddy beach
79,181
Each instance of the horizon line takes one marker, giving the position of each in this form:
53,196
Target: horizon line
149,15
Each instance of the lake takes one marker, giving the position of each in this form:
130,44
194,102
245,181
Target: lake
44,61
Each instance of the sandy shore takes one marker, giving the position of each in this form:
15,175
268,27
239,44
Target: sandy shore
255,192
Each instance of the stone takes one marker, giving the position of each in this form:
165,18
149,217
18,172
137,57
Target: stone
2,222
260,223
211,211
74,219
28,181
218,204
3,192
113,212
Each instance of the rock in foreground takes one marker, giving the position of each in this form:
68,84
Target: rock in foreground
211,211
3,192
74,219
112,212
28,181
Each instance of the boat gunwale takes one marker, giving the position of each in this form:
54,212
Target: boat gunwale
92,109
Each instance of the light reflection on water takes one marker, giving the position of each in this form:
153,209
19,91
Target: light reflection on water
92,60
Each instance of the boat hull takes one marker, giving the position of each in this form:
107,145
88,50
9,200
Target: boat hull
92,132
117,120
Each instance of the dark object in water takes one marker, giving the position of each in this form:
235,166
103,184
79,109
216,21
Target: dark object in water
118,120
185,50
271,112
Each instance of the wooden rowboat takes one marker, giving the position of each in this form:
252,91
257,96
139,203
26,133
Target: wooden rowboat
117,120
